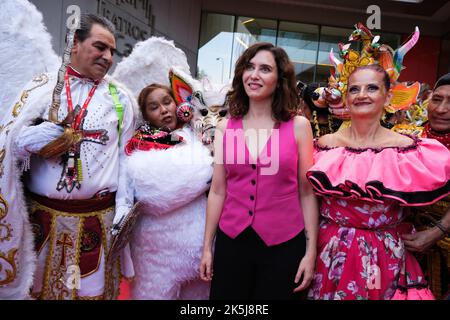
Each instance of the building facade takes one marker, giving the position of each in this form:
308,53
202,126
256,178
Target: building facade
213,33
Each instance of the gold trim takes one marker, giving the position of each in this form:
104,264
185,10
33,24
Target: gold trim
18,106
111,291
120,277
77,253
107,269
98,264
47,269
46,292
104,235
2,155
10,259
116,290
3,207
33,211
3,214
43,78
38,296
103,240
99,297
68,214
8,233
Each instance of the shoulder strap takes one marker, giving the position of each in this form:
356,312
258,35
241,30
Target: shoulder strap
117,104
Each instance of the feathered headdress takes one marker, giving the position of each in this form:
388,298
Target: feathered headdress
372,52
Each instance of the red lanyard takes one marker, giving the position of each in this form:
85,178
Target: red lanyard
76,122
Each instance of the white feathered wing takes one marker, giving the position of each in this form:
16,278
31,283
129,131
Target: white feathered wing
25,49
150,62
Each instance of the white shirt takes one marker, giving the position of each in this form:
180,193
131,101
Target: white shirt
100,163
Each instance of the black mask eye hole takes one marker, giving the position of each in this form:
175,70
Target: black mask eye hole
222,113
204,112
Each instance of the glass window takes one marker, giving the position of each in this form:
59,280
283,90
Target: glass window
330,37
215,48
300,42
251,30
224,38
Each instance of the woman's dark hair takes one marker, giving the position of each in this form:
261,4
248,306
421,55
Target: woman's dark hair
376,68
87,20
142,99
285,97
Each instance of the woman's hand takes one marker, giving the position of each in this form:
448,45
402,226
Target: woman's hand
305,269
206,269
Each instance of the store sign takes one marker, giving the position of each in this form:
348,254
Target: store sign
133,20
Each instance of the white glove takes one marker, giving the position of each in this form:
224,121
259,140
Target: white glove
121,212
33,139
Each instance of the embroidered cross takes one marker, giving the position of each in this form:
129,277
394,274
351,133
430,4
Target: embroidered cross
71,175
64,241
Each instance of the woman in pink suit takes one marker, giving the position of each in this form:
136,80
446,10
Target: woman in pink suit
367,177
260,204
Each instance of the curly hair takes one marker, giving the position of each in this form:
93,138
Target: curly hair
285,101
146,92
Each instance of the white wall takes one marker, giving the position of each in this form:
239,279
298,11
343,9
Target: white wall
55,16
179,20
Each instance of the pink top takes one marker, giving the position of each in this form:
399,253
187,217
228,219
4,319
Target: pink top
262,193
415,175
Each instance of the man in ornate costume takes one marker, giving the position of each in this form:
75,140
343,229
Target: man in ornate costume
66,201
438,127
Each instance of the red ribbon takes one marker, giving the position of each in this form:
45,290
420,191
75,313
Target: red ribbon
77,121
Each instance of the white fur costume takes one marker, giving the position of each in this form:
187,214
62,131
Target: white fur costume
166,245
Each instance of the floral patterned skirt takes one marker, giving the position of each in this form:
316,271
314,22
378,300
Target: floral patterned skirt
365,264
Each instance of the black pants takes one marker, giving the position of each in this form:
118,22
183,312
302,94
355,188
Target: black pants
246,268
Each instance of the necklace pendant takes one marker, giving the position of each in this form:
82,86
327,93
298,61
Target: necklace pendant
70,174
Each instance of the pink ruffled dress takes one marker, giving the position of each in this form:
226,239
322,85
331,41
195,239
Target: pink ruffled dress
365,198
